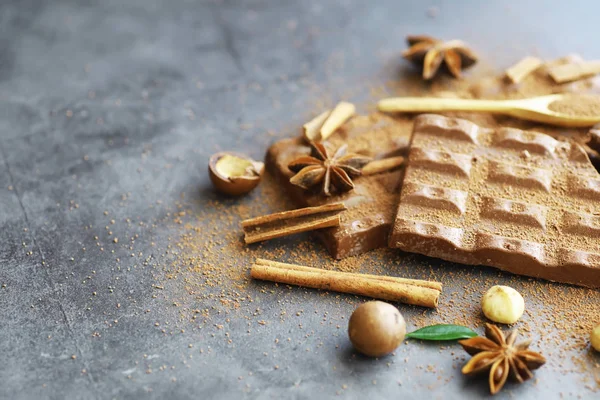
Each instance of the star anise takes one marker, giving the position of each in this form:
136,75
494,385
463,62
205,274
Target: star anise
330,171
430,53
500,356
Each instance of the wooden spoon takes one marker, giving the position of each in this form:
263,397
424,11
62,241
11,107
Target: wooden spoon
532,109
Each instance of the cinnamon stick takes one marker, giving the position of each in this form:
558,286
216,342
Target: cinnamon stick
348,283
520,70
383,165
289,222
311,128
326,123
340,114
574,71
415,282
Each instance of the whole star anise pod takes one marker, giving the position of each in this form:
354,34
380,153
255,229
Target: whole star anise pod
500,356
330,171
430,53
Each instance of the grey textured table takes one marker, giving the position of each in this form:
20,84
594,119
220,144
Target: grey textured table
109,111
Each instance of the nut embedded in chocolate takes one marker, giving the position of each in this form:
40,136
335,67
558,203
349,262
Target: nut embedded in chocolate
594,141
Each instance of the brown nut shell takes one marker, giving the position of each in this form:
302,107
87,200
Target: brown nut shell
376,328
233,173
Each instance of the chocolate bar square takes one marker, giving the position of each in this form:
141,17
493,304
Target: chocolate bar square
517,200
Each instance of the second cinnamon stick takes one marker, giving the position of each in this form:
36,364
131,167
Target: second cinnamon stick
404,281
391,291
289,222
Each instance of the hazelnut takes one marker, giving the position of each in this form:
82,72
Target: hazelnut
595,338
376,328
503,304
234,173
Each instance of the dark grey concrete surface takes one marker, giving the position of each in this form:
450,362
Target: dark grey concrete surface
110,109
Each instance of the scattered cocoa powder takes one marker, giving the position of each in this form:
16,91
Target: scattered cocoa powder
210,267
577,105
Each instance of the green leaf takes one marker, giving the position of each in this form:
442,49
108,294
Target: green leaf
442,332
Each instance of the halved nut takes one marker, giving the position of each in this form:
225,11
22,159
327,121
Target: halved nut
234,173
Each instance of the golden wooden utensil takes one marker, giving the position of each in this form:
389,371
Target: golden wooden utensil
532,109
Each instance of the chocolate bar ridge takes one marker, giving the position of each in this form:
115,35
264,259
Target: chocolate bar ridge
516,200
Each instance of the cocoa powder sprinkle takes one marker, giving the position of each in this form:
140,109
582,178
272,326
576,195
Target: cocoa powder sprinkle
205,276
577,105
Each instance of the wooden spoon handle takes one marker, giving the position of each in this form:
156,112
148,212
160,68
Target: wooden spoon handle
434,104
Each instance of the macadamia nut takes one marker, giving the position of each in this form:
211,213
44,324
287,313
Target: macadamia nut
503,304
595,338
376,328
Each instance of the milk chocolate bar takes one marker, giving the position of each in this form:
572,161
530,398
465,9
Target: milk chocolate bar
372,203
517,200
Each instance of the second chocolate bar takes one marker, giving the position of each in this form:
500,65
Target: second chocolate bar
517,200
